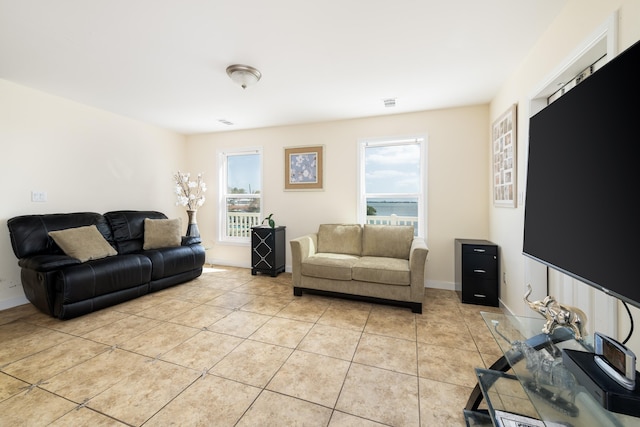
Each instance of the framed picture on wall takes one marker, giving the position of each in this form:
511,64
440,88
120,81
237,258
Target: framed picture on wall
303,168
504,139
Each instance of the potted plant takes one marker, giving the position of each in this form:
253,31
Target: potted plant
270,220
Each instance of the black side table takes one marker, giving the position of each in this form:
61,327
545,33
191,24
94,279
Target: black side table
267,250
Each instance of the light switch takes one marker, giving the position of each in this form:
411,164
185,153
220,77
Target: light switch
38,196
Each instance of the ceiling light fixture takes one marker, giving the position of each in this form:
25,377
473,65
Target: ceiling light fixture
243,75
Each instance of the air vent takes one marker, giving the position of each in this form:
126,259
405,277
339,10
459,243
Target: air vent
389,102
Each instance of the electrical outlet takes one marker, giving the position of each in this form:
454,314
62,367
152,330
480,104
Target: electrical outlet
38,196
504,277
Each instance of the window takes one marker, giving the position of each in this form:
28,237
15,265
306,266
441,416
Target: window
392,182
578,78
240,194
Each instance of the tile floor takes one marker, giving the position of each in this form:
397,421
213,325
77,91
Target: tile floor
232,349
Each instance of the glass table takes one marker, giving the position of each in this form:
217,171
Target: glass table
530,385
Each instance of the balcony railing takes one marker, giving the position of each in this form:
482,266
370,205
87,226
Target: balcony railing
394,219
239,223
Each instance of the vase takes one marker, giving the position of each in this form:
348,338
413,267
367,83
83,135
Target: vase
192,226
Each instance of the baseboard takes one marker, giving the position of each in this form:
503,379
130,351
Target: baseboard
13,302
435,284
226,263
505,308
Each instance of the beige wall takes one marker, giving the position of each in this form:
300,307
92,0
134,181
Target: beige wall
91,160
85,159
458,170
578,21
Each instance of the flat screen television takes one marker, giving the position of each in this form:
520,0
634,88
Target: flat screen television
583,177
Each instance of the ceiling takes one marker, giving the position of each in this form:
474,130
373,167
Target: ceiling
163,61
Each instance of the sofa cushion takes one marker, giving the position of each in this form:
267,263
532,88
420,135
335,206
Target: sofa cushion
392,271
101,277
30,233
390,241
127,227
329,266
83,243
172,261
162,233
340,239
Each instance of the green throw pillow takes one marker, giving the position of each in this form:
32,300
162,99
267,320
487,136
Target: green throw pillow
162,233
84,243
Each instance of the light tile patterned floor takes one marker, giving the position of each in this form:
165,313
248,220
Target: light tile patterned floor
232,349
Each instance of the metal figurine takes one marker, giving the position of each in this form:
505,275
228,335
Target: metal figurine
558,315
550,378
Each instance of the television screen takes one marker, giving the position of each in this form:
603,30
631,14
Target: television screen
581,216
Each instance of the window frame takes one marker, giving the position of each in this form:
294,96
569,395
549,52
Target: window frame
421,141
223,156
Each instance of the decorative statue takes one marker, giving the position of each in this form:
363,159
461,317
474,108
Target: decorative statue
551,380
558,315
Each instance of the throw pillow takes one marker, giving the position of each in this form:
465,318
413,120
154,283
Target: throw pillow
340,239
84,243
390,241
162,233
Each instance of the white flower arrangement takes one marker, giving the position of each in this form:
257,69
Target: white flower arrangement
189,193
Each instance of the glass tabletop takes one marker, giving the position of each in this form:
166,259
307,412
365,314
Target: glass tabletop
536,362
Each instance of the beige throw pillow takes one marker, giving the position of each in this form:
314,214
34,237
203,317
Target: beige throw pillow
162,233
84,243
389,241
340,239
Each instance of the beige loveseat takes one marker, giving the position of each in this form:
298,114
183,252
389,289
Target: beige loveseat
382,262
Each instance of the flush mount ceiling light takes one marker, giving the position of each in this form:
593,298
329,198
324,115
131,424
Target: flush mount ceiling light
243,75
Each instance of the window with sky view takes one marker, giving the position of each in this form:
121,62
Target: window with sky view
241,186
391,182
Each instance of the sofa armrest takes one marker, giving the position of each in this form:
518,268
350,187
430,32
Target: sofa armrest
44,263
417,264
301,249
191,240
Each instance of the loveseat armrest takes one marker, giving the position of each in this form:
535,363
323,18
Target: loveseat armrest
191,240
417,263
301,249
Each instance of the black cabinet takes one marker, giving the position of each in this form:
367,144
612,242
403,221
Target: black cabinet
477,271
267,250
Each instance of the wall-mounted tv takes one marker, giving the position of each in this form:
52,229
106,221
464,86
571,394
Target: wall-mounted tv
583,178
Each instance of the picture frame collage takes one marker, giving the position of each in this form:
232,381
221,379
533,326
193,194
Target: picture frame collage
504,143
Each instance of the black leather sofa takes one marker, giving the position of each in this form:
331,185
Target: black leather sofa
65,287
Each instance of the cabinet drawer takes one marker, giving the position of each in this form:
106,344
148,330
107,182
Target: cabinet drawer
483,292
480,266
480,249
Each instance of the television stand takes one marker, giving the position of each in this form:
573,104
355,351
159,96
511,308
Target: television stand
508,386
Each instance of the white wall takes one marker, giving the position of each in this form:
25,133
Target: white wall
458,196
85,159
574,25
